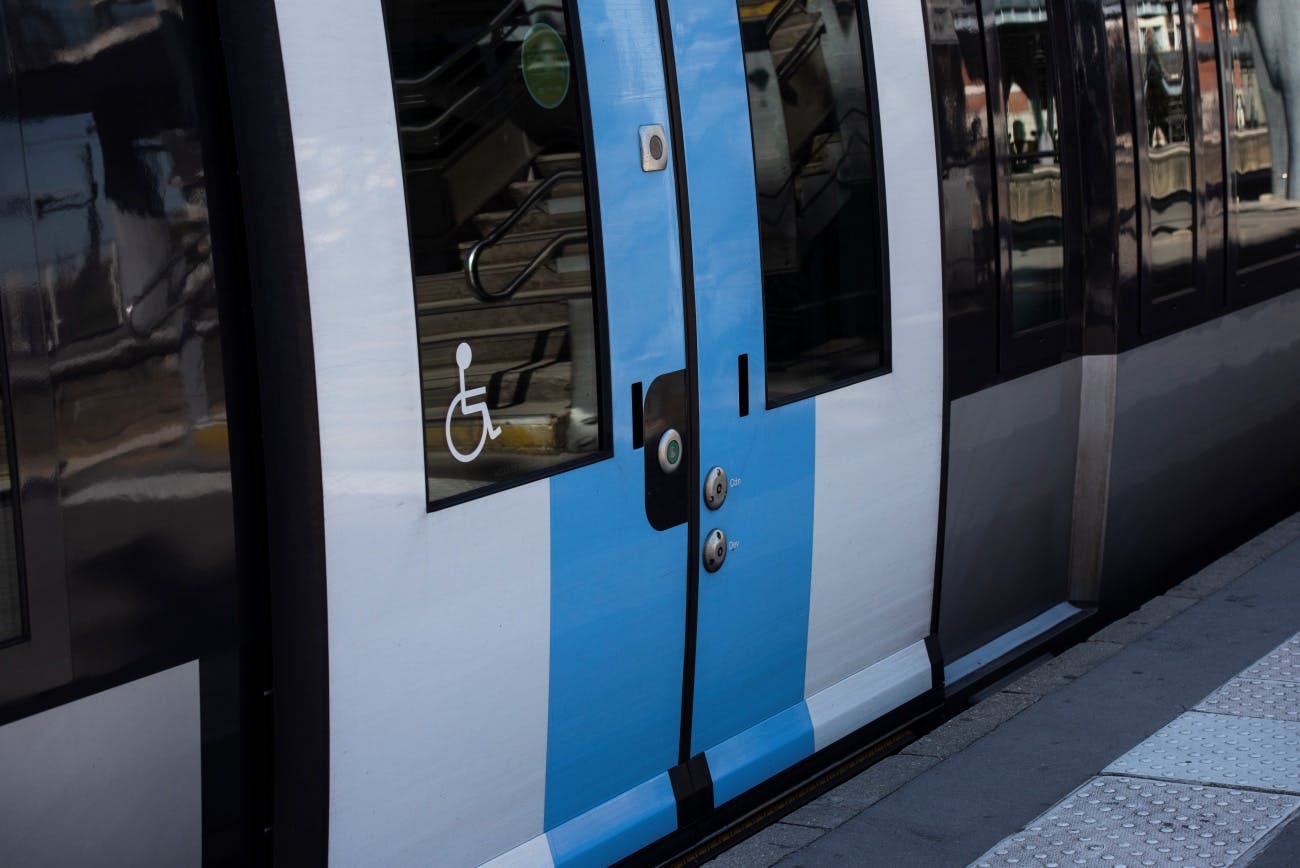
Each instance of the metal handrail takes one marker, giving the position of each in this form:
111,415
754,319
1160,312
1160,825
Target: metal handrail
495,236
530,269
801,50
162,279
460,53
777,15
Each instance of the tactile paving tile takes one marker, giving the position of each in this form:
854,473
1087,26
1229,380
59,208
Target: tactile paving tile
1280,664
1125,821
1219,749
1275,700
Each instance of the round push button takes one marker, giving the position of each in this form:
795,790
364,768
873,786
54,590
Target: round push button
715,488
715,550
670,451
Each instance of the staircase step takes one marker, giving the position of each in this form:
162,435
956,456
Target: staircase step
494,316
519,248
521,190
537,435
795,31
548,164
517,381
529,340
569,212
454,285
526,297
532,428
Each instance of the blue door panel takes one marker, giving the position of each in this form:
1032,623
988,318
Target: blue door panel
753,615
753,618
618,589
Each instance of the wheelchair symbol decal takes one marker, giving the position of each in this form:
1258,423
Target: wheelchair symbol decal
464,355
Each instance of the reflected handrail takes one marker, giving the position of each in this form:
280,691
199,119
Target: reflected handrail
495,236
529,270
493,25
160,279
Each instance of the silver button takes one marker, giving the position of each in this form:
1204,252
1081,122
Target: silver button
715,488
670,450
654,148
715,550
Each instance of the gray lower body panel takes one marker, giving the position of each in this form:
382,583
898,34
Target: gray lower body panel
112,779
1205,453
1011,458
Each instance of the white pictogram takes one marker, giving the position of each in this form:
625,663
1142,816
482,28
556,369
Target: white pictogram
463,357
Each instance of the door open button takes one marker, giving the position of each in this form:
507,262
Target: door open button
670,450
715,550
715,488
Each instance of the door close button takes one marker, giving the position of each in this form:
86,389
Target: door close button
715,550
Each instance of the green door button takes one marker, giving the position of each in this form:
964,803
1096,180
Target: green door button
670,450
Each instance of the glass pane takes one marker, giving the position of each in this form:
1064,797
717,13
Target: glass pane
11,604
1163,62
1265,162
818,194
1037,225
493,155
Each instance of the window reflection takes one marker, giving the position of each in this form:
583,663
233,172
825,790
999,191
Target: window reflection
1264,112
108,193
1163,63
970,253
11,604
818,205
493,159
1033,151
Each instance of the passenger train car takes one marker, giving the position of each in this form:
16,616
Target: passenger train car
537,432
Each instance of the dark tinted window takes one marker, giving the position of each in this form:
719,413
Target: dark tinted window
11,604
1166,96
1033,150
818,194
1264,161
493,154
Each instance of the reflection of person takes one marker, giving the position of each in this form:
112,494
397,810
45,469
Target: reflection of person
1275,25
1156,92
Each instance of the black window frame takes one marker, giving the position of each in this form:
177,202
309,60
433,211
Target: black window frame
1191,305
1270,282
40,659
1046,344
886,365
599,303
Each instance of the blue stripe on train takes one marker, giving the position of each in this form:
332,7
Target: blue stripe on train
618,595
621,826
753,617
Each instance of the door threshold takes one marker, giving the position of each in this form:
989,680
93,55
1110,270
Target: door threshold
964,671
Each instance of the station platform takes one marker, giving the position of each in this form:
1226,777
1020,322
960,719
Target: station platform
1169,737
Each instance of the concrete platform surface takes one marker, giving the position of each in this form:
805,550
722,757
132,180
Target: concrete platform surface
1171,737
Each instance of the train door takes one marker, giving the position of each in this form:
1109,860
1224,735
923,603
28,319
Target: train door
576,591
1014,274
818,344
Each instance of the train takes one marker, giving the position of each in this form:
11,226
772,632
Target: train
542,432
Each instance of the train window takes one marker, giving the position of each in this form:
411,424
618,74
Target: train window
494,157
1035,205
1166,95
819,194
1264,159
11,603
